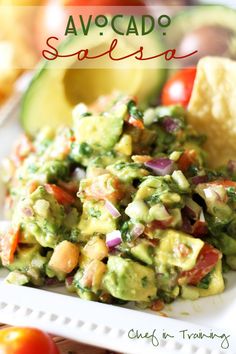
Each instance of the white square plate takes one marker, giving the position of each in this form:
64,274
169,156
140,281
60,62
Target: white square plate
110,326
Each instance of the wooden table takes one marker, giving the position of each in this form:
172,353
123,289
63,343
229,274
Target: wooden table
67,346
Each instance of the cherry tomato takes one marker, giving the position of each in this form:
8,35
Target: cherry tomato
60,194
206,261
8,245
16,340
178,88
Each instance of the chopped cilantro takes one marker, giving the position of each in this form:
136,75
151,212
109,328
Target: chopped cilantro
144,282
94,213
205,282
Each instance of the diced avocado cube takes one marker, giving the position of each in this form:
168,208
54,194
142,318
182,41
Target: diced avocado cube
101,132
143,252
17,278
95,219
124,146
216,284
44,223
189,292
54,274
152,186
127,172
24,257
178,249
86,295
129,280
176,111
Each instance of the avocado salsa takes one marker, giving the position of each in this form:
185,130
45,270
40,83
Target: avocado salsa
119,207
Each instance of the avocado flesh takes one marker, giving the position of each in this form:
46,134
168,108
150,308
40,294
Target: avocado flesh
58,86
216,286
129,280
79,84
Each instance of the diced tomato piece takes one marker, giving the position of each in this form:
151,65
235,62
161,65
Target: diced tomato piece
157,225
187,159
70,187
141,158
136,123
72,138
8,244
60,194
157,305
182,250
206,261
32,186
104,187
199,229
22,149
224,183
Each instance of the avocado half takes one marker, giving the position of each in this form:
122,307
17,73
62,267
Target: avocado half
210,29
59,85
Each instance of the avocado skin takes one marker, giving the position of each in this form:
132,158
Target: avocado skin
193,18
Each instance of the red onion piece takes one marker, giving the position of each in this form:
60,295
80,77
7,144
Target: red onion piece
231,166
161,166
27,211
113,239
160,224
69,280
52,281
192,209
170,124
112,209
199,179
137,230
186,226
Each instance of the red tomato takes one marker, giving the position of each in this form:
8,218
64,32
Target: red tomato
104,188
224,183
157,225
8,245
16,340
22,149
199,229
207,259
186,160
52,18
60,194
136,123
178,88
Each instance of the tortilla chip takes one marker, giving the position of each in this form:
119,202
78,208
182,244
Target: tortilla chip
212,107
